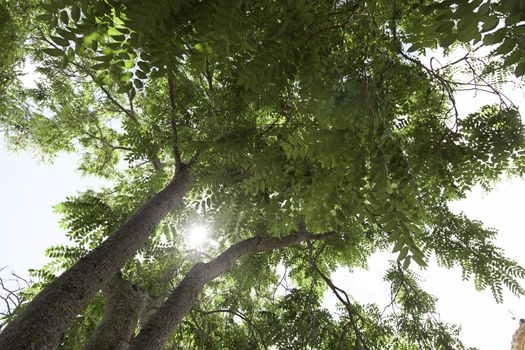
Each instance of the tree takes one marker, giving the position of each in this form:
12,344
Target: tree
302,133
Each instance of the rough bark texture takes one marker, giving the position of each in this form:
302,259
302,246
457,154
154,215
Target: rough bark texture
124,305
46,319
163,323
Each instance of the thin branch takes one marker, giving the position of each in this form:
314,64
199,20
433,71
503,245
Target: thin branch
88,71
245,319
445,84
339,293
12,297
155,161
202,332
105,142
128,112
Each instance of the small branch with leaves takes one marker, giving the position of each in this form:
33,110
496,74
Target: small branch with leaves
343,297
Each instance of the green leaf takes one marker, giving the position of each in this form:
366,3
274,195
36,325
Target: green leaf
489,23
413,48
104,58
140,74
398,246
402,254
506,46
53,52
100,66
419,260
60,41
75,13
144,66
484,9
513,58
46,17
64,17
125,88
520,69
496,37
66,34
467,29
445,27
448,40
406,263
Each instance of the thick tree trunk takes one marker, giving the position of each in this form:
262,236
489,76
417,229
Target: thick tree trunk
164,322
125,303
46,319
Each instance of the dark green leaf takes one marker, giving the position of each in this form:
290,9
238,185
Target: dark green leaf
75,13
506,46
489,23
520,69
64,17
495,38
445,27
53,52
60,41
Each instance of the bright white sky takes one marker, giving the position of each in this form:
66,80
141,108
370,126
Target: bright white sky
29,189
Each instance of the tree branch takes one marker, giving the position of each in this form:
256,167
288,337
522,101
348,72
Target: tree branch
88,71
130,113
242,316
165,321
49,315
339,293
125,303
108,144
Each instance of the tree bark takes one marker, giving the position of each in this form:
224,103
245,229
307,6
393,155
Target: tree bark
48,316
125,303
164,322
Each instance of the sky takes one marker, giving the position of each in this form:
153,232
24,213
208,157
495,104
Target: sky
29,189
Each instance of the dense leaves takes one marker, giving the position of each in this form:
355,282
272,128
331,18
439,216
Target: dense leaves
298,115
496,24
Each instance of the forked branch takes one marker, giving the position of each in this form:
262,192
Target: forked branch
162,324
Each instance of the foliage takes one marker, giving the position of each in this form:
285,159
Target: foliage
298,114
478,22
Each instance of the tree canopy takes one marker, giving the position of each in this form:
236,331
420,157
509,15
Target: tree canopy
305,135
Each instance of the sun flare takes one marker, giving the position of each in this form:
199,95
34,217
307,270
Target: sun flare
197,236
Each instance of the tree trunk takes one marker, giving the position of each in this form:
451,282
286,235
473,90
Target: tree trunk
164,322
48,316
125,303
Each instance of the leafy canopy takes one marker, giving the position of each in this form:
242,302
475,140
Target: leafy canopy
309,113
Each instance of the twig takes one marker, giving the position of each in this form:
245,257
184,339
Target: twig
245,319
88,71
105,142
339,293
12,297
